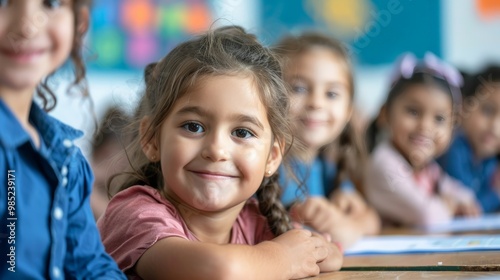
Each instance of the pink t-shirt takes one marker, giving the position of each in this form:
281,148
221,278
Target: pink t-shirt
139,216
428,178
403,196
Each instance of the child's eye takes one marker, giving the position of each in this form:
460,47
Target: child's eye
52,4
242,133
440,119
299,89
488,110
332,94
412,111
193,127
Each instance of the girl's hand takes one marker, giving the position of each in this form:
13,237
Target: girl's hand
333,261
307,253
349,202
451,203
323,216
469,209
459,208
318,213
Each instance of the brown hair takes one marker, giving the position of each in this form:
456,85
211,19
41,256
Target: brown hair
348,150
111,129
223,51
44,91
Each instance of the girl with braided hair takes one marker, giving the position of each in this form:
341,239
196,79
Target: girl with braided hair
201,199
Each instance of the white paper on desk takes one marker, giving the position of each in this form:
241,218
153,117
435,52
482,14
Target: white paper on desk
483,223
424,244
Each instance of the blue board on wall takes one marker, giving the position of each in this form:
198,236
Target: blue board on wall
377,31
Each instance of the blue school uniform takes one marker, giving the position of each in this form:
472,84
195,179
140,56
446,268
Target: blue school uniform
317,179
459,162
47,230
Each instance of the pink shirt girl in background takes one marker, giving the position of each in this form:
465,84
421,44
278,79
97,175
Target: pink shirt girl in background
213,131
407,186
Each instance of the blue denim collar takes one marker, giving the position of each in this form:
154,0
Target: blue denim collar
50,129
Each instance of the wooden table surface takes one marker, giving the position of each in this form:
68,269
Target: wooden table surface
458,265
473,261
464,265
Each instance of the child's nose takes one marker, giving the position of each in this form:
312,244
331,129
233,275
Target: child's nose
315,100
216,147
27,20
426,124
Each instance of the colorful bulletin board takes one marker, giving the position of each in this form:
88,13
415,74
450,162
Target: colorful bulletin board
129,34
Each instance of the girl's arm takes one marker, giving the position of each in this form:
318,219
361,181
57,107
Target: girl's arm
397,197
462,198
294,254
391,189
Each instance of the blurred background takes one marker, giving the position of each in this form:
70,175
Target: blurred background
126,35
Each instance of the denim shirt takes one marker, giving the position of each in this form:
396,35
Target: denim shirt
459,162
47,230
318,179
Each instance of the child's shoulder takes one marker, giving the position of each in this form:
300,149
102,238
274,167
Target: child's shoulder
459,141
385,153
139,196
138,204
459,151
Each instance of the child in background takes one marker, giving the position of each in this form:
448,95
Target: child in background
44,202
471,157
406,186
108,157
212,135
318,72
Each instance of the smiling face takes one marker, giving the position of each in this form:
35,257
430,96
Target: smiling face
481,122
420,121
320,98
36,38
216,144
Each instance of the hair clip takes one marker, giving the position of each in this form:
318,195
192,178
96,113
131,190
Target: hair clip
408,65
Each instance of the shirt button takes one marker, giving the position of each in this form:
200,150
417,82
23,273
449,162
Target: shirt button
64,181
67,143
58,213
56,271
64,171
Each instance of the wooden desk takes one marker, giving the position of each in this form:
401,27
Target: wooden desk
457,265
460,261
464,265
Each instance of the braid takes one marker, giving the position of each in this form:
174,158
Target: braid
271,207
